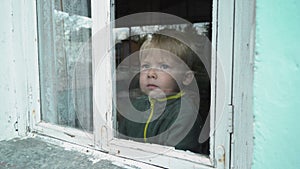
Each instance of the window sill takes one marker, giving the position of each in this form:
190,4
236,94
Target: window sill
43,152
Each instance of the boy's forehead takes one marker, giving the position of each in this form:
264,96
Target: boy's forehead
158,55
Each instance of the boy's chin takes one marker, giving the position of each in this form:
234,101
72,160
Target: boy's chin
156,94
159,94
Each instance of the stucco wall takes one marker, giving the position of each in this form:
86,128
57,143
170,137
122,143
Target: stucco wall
13,86
277,85
8,91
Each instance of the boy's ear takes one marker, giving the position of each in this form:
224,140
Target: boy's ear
188,77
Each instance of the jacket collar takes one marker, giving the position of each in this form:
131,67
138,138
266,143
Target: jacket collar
171,97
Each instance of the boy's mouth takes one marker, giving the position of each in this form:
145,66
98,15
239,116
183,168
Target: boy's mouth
151,86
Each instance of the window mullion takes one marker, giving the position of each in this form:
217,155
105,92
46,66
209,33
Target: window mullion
101,73
224,56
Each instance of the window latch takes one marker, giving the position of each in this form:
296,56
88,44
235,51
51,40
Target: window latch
220,157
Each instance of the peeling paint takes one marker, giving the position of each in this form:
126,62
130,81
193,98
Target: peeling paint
12,69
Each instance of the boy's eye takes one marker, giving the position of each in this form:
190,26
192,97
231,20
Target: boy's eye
135,69
145,66
164,66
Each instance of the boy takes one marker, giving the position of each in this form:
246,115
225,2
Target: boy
168,112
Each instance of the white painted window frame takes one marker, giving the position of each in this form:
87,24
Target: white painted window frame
233,37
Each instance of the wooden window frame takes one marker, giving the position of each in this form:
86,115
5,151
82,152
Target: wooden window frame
234,27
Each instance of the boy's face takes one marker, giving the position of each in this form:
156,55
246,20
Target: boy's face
162,73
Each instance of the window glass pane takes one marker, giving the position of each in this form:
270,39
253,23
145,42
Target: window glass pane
157,99
64,31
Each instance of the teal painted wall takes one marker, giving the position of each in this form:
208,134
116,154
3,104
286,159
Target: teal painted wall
277,85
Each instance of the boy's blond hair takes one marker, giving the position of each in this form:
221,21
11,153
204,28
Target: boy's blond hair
170,44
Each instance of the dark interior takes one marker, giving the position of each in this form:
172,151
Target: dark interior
192,10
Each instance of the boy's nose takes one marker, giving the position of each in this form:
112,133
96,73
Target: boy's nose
152,73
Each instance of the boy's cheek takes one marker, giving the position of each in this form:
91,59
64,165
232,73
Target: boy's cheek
142,79
142,85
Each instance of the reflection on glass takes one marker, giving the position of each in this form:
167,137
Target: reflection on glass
141,116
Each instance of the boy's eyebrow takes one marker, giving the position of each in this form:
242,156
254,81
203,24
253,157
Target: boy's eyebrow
163,62
142,61
159,63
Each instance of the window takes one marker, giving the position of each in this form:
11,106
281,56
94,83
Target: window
81,49
65,67
197,56
65,70
124,36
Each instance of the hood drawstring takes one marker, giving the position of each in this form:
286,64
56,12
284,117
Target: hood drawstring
152,105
